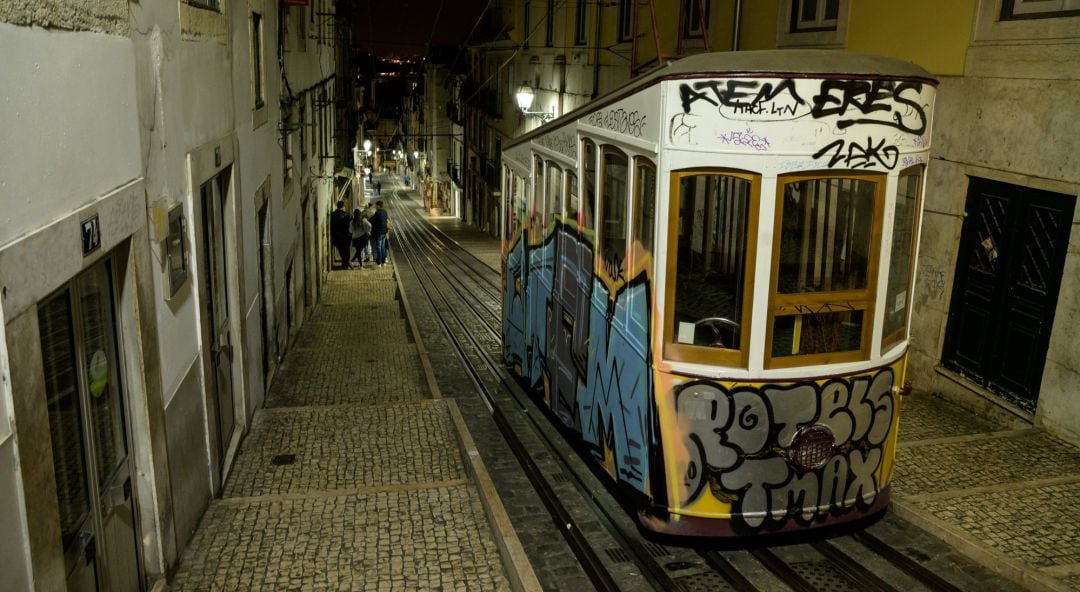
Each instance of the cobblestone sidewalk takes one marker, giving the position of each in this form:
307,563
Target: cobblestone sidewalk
1008,498
351,478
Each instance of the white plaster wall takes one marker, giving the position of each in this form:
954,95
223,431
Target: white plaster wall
185,101
69,134
259,157
1013,118
14,552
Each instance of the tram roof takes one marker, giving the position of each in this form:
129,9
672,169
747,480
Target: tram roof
802,63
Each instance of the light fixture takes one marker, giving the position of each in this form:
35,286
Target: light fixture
416,154
524,96
367,145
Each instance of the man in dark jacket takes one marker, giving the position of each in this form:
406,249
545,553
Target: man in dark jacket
380,225
340,234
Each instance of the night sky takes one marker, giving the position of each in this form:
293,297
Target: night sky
402,27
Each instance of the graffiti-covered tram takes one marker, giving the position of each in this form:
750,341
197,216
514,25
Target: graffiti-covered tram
707,278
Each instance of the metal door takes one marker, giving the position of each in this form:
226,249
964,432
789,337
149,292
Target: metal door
87,419
1012,254
217,291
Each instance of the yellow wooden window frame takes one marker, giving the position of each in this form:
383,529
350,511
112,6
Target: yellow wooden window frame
683,352
794,304
901,333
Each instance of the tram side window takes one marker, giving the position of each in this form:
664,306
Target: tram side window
573,199
613,211
645,204
515,207
712,264
898,291
536,204
826,254
589,202
554,194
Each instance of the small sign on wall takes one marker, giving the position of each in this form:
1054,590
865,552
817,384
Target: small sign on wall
91,235
175,253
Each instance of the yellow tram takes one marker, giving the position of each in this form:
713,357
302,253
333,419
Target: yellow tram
708,279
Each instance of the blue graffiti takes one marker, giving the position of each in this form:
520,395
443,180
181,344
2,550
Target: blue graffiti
566,333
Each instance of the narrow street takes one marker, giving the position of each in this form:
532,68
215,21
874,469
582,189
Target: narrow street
351,477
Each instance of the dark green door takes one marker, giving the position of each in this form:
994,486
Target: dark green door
1008,272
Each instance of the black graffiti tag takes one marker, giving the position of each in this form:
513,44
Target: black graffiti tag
619,120
839,97
861,156
733,93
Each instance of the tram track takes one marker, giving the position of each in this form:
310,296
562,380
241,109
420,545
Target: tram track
466,294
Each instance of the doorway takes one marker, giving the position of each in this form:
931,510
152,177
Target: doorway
213,196
91,441
1008,272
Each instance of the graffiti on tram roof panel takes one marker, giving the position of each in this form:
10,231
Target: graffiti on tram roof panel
636,117
861,124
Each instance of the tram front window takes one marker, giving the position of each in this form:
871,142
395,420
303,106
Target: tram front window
711,260
825,266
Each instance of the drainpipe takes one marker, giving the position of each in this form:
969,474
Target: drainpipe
736,29
596,54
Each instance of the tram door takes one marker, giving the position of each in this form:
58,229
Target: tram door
90,437
214,274
1012,254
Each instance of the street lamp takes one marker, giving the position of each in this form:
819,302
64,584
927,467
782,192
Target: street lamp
367,145
524,96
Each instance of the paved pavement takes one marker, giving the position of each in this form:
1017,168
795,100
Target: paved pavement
1007,498
356,475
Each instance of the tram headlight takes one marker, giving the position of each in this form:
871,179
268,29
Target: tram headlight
812,447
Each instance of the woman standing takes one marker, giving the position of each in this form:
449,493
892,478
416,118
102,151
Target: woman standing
360,229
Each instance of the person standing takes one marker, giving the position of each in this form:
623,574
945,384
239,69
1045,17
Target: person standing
369,211
340,234
360,229
380,225
378,188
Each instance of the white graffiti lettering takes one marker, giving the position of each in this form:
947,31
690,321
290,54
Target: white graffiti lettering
739,440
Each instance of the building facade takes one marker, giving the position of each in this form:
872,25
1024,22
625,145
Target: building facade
166,188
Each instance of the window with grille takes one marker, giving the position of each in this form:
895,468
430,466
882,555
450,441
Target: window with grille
1033,9
626,20
814,15
581,22
696,17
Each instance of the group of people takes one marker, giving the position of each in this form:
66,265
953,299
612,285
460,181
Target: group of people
364,233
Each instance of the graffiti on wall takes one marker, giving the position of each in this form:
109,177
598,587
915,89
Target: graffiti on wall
737,440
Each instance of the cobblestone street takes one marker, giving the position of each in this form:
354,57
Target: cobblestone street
351,477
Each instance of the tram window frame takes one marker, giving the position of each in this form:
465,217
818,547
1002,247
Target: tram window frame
705,354
603,222
899,334
536,203
860,301
644,225
572,198
553,193
590,176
